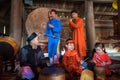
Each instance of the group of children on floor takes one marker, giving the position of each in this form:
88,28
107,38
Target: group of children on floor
32,61
96,69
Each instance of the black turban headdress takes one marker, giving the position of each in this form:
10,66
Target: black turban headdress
31,37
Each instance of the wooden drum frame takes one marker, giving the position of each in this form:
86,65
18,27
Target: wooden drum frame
8,50
10,41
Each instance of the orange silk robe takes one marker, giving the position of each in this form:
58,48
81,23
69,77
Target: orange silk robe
77,28
71,62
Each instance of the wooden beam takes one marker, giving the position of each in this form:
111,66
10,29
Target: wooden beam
104,23
90,29
106,13
102,1
118,17
16,20
108,21
59,10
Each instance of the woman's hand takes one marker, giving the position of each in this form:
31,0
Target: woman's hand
103,64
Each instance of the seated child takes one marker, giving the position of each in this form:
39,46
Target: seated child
102,61
71,60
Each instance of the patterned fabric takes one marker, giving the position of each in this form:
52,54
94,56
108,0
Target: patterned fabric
33,58
100,58
27,73
71,62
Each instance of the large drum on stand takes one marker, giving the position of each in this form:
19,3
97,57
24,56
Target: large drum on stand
36,22
8,50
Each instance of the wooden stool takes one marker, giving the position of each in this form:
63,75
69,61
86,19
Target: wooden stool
52,73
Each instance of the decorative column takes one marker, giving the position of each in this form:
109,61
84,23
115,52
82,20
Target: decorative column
90,27
16,20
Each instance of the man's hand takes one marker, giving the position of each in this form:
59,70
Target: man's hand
38,69
70,20
51,26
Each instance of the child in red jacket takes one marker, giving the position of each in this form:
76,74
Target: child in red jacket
71,61
102,61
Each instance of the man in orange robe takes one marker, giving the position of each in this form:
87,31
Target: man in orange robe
77,27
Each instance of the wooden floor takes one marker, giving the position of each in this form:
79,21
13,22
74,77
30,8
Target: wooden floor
12,76
115,68
8,76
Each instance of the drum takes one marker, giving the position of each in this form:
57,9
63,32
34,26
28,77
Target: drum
8,47
36,22
100,73
87,75
52,73
8,50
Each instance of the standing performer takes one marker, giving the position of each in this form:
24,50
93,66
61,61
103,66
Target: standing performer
53,30
77,27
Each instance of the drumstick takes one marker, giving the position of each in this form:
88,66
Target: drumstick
86,59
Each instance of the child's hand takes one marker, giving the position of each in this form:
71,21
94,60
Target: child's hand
103,64
84,65
81,62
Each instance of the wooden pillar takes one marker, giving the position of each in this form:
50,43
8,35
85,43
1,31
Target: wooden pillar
16,20
119,18
90,27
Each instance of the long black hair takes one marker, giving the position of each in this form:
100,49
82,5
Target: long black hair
101,45
98,44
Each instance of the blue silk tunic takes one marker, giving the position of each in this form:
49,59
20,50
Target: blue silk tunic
53,36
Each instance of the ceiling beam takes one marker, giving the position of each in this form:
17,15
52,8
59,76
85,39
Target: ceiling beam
106,13
102,1
100,20
104,23
98,25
